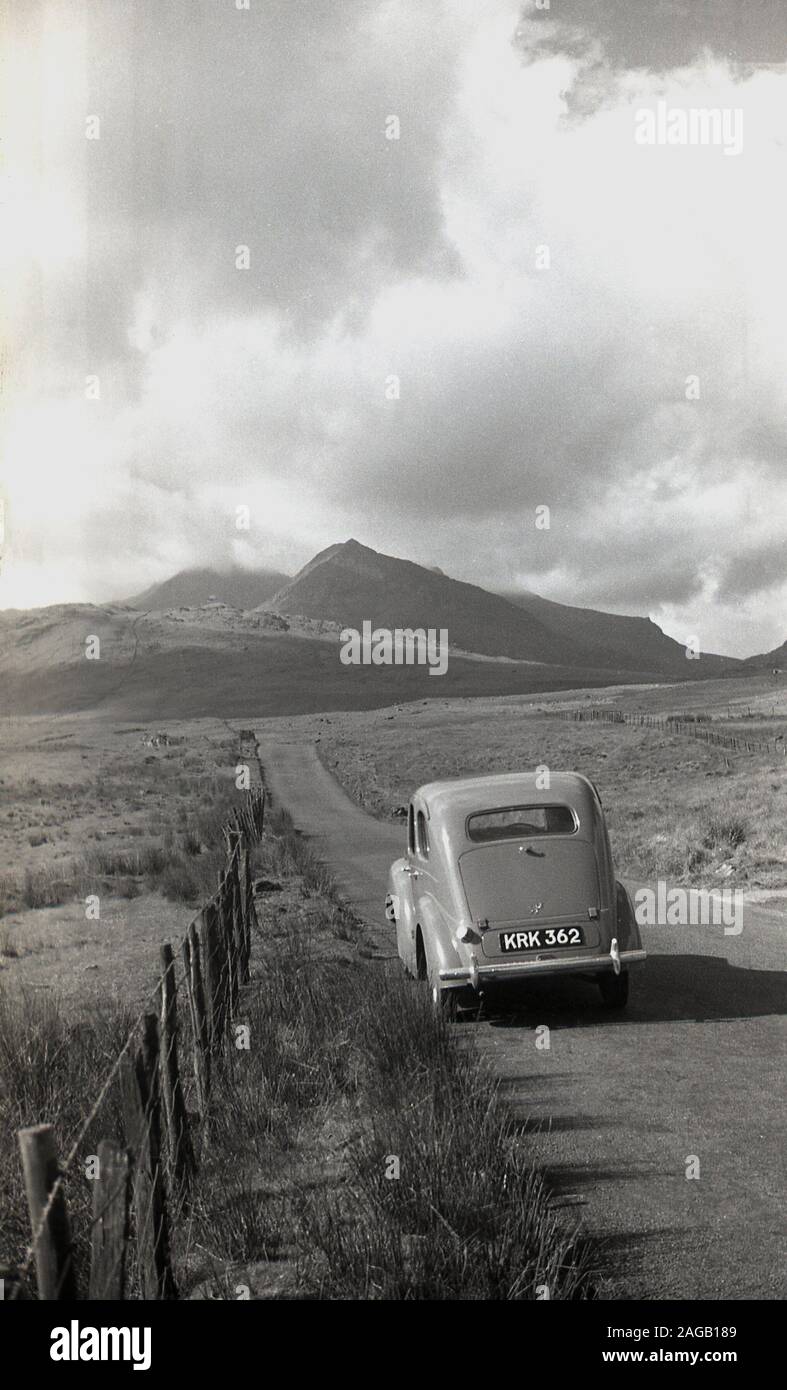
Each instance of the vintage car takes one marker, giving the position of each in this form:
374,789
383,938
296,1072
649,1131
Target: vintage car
503,882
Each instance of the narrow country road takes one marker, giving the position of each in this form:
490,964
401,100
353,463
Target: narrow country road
619,1109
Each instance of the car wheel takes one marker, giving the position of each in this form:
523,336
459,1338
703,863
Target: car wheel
456,1004
421,970
614,990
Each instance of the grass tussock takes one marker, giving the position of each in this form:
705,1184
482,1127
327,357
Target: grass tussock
443,1201
723,833
286,853
412,1180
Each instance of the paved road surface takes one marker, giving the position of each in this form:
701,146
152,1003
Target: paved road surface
618,1106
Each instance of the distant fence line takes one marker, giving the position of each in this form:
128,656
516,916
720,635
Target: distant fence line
695,728
145,1181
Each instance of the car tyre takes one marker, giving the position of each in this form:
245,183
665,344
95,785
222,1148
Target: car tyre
614,990
455,1004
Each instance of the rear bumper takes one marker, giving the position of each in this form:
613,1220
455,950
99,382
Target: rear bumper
505,972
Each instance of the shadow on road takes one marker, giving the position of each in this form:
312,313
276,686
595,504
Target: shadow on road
668,989
623,1261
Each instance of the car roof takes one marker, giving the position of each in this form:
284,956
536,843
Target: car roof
456,798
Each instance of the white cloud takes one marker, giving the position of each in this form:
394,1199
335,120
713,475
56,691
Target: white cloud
519,386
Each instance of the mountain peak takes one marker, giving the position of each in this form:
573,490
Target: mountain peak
350,583
238,588
344,552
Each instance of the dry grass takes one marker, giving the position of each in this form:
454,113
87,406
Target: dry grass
350,1069
50,1067
677,808
181,860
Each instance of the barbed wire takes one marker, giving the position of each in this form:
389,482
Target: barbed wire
151,997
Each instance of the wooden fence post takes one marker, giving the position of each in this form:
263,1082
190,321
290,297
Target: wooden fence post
251,911
181,1156
223,940
139,1082
237,893
199,1024
213,972
223,937
229,913
109,1236
206,962
242,910
51,1232
221,967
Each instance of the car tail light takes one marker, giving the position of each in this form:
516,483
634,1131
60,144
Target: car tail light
466,933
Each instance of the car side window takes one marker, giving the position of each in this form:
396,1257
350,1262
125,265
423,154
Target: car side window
411,829
422,838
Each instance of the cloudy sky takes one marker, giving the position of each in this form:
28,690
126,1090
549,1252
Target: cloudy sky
574,319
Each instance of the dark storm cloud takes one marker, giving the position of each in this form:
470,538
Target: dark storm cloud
631,572
263,128
756,570
567,409
610,38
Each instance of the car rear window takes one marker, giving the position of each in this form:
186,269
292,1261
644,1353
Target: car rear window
515,822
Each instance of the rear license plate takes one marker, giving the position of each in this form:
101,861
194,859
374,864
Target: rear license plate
541,938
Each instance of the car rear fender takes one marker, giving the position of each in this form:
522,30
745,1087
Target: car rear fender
627,930
441,951
400,910
396,878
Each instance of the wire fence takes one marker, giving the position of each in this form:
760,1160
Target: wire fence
161,1079
697,727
